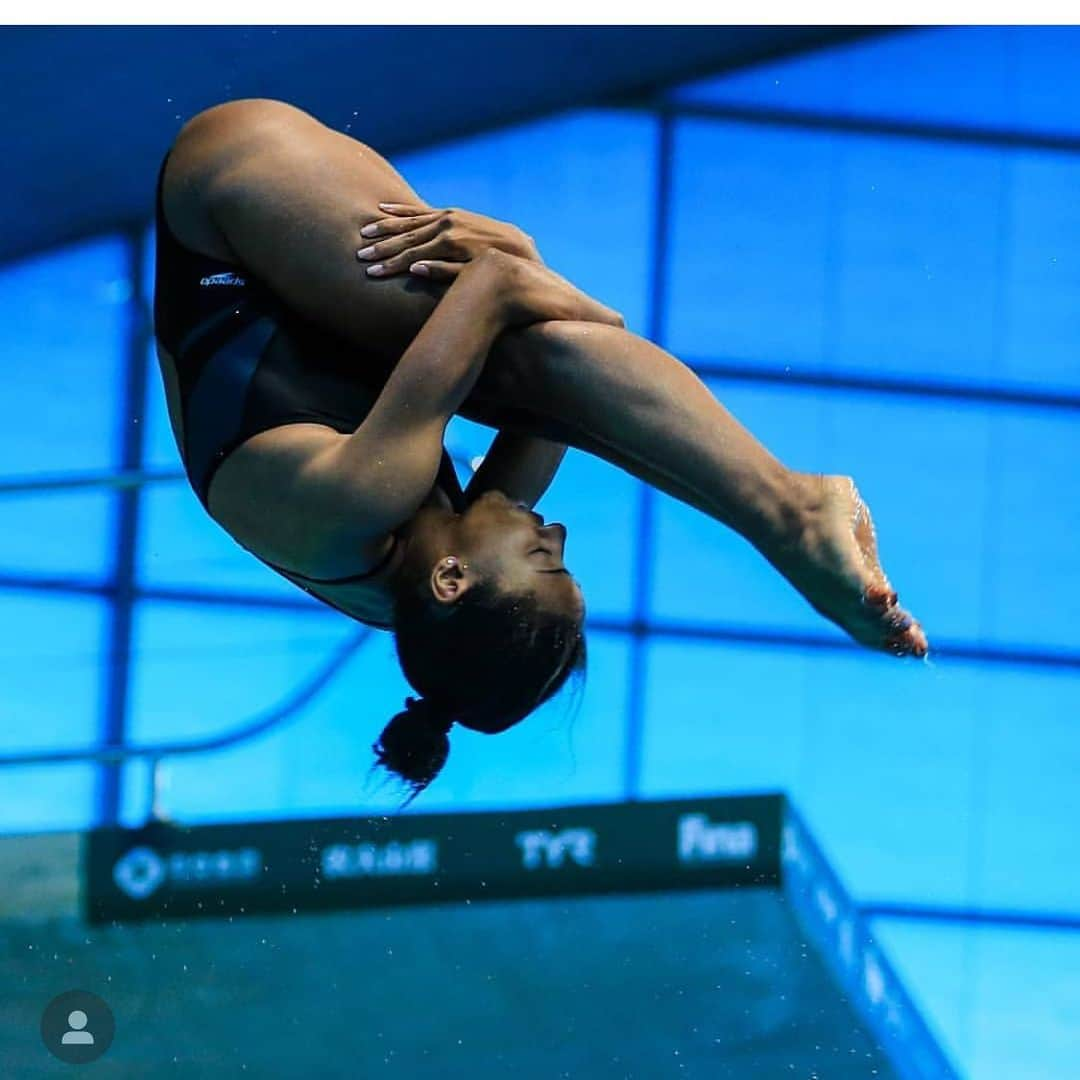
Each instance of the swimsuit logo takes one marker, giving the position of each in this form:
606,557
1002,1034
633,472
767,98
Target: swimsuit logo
223,279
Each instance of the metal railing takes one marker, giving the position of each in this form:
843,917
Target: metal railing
155,753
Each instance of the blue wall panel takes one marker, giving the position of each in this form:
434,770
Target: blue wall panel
51,656
749,272
65,533
1041,274
182,546
1033,590
979,76
1004,1002
917,251
63,325
1029,799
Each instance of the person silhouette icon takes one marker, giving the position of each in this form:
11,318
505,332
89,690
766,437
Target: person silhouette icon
77,1027
75,1036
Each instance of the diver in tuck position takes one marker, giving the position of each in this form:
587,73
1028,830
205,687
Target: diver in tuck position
318,325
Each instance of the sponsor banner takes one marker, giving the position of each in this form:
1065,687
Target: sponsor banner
164,869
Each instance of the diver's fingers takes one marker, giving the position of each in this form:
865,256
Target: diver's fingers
406,209
436,269
392,226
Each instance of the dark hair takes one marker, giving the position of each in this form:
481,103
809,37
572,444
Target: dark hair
486,662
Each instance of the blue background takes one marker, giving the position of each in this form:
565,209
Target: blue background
872,255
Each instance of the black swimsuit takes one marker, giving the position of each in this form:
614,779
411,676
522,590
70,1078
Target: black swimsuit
216,320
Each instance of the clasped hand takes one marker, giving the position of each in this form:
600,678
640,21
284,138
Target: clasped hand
436,244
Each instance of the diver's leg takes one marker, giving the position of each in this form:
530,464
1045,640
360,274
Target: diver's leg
620,397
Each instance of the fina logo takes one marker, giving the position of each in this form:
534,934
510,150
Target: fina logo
223,279
139,872
700,841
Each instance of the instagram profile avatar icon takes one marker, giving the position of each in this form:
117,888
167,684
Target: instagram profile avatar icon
76,1035
77,1027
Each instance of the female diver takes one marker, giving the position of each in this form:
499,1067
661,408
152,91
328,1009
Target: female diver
318,325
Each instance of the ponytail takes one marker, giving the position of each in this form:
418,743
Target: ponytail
415,744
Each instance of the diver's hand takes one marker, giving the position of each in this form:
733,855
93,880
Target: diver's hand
436,244
529,292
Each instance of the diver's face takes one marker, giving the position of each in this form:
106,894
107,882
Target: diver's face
523,554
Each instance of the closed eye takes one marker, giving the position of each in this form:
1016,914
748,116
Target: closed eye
560,570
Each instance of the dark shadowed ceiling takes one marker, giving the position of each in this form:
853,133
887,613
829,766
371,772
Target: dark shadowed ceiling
88,112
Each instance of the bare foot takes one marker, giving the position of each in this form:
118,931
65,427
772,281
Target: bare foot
834,564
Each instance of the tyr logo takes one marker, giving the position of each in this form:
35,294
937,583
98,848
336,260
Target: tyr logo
541,848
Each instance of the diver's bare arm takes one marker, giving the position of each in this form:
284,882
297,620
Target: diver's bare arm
383,470
519,465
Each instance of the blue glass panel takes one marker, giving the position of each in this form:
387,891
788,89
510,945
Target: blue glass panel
51,661
1041,276
935,965
931,541
545,177
201,671
944,75
181,546
852,254
1033,595
876,753
749,244
63,327
69,533
917,252
986,77
1042,86
1030,852
722,719
890,770
1005,1002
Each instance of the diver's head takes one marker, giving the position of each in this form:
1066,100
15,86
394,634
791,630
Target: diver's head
488,625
